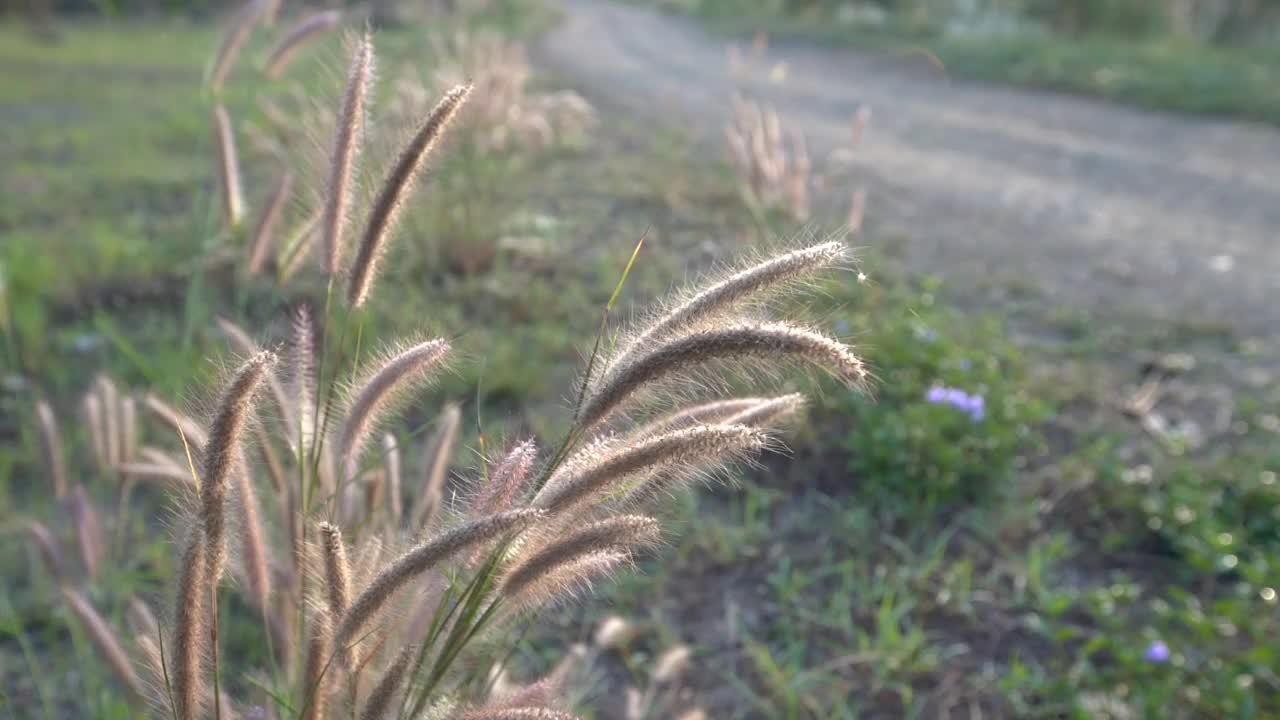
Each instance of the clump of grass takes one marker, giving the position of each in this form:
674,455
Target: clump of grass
396,637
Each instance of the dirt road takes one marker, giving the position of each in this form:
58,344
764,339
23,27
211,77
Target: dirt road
1104,208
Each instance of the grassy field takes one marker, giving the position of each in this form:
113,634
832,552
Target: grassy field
1157,72
1045,557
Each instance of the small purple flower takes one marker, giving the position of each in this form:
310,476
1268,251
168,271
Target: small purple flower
1157,652
842,327
974,406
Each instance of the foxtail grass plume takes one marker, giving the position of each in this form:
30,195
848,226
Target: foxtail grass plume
236,36
373,396
620,533
104,640
253,541
298,246
506,481
304,32
346,151
596,475
396,188
337,569
234,410
51,444
302,355
228,168
515,713
182,425
246,346
317,670
93,420
89,539
190,632
746,285
388,686
709,413
391,461
436,458
770,343
768,411
264,233
421,558
110,398
50,554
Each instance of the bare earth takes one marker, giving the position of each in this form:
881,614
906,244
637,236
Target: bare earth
1102,208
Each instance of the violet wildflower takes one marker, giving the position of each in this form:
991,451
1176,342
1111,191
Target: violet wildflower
1157,652
974,406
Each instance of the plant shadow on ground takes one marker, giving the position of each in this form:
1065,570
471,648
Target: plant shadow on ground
914,557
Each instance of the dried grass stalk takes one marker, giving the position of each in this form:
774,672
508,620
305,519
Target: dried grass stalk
396,188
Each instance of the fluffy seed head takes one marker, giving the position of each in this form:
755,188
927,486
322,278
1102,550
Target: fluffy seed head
190,631
592,478
51,444
768,410
305,31
104,640
228,168
234,408
264,234
396,188
88,531
436,466
422,558
241,25
616,534
742,286
506,481
515,713
373,395
346,150
49,551
337,569
388,685
772,343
